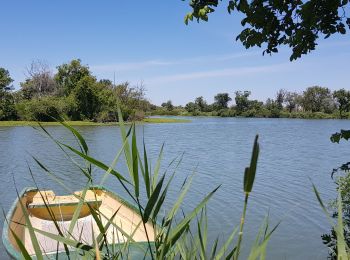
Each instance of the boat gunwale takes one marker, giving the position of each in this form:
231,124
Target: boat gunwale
15,254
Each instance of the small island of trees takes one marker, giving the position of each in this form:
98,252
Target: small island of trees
314,102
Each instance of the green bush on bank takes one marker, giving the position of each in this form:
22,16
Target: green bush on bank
7,107
45,109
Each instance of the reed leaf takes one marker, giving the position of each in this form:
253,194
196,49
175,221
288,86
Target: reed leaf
152,201
33,237
52,175
162,198
106,227
69,242
77,212
157,167
87,174
260,250
97,163
78,135
341,244
97,219
21,247
224,248
180,228
52,216
135,161
124,134
214,248
249,175
115,160
146,172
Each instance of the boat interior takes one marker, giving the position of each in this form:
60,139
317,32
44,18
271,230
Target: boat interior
126,222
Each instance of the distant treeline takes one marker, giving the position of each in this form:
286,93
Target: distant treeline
314,102
73,93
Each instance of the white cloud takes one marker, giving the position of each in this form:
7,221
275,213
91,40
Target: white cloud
228,72
130,66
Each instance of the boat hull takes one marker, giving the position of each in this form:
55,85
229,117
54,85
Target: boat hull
42,207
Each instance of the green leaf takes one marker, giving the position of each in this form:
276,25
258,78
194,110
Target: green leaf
157,167
180,228
109,222
127,152
97,163
135,162
341,244
78,135
224,248
146,174
104,178
65,241
249,175
152,201
97,219
76,212
176,206
21,247
162,198
33,237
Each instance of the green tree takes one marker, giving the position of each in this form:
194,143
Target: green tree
242,101
131,99
40,81
280,98
273,108
5,80
7,105
201,104
297,24
68,75
221,100
86,97
168,105
191,107
318,99
291,100
342,97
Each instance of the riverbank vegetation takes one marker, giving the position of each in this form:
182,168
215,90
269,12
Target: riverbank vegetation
314,103
74,94
152,120
341,176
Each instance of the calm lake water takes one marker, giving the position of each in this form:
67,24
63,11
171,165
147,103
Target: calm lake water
292,152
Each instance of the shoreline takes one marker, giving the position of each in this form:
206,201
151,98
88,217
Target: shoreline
310,116
89,123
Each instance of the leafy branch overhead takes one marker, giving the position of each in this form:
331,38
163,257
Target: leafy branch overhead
297,24
344,134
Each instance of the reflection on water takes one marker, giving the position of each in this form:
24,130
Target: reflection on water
292,151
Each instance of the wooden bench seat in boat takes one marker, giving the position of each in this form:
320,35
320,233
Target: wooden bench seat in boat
62,207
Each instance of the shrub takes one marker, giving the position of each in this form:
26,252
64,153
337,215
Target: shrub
7,107
226,112
45,109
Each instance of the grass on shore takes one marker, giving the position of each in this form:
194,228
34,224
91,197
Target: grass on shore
89,123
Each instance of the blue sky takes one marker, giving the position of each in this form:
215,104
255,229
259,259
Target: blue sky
148,42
